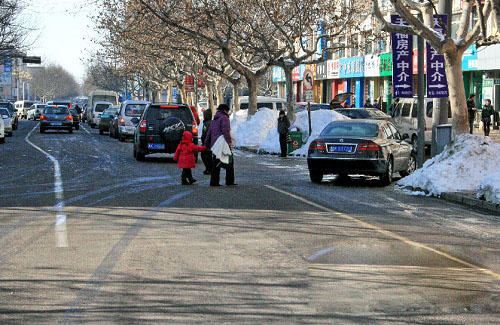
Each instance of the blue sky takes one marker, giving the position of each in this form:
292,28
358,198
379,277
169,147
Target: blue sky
64,32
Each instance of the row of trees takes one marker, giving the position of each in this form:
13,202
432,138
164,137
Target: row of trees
236,41
53,81
13,31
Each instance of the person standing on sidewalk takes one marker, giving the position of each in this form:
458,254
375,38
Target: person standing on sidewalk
283,126
471,107
486,117
220,126
206,155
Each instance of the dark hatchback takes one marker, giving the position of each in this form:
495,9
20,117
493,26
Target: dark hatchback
368,147
10,107
56,118
160,128
364,113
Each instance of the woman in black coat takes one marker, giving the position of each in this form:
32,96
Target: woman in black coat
283,126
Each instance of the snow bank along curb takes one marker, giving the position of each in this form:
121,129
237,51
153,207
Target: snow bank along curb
469,164
471,201
260,131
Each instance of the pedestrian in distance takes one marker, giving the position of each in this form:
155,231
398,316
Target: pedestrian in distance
283,126
220,127
392,108
471,108
184,155
376,104
368,104
206,155
486,116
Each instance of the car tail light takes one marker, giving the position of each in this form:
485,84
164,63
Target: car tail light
70,106
169,106
194,130
142,127
317,146
69,118
43,117
368,146
122,121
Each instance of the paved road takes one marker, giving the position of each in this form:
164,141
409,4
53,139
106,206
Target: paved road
88,234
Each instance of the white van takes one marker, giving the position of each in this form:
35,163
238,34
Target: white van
405,117
96,112
22,107
100,96
262,101
129,110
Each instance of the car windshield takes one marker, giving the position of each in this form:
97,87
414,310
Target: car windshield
101,107
376,113
105,98
183,113
351,129
134,110
56,110
7,106
4,111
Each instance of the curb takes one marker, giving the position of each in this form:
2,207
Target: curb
470,201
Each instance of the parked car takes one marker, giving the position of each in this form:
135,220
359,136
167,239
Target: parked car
35,111
2,131
302,106
76,118
56,118
7,121
22,106
368,147
339,99
97,110
106,118
12,112
405,117
363,113
262,101
160,128
128,110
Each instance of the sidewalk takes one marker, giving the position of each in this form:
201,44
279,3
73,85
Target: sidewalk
494,135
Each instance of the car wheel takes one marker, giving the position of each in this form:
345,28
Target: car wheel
2,140
412,166
14,127
115,135
121,138
386,179
9,134
70,130
138,155
101,131
316,177
77,127
42,130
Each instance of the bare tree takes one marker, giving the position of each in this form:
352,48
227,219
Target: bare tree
13,32
452,49
53,81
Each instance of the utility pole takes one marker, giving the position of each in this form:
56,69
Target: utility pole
421,103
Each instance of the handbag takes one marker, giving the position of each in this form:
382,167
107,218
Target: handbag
288,138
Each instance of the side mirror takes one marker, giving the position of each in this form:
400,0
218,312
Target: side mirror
134,120
406,136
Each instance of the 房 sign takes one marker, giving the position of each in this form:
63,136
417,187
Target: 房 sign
437,85
189,84
308,86
402,46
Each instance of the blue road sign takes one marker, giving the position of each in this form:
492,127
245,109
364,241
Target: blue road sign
437,84
402,51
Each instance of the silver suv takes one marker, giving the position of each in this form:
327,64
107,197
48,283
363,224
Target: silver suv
129,110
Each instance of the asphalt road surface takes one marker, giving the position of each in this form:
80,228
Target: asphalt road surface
89,235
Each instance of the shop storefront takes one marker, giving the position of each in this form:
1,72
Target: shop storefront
373,82
335,85
297,77
279,80
353,70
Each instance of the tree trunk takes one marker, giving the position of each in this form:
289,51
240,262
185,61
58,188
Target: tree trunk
236,95
453,63
218,89
169,92
210,96
181,92
253,83
290,92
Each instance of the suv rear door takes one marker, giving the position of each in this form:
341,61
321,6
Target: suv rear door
156,113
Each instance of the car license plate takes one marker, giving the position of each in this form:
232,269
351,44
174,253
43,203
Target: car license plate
56,123
347,149
156,146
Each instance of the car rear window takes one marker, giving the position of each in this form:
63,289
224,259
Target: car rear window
157,113
56,110
376,113
101,107
351,129
134,110
4,111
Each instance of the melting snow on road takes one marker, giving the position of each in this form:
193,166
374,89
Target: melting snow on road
470,163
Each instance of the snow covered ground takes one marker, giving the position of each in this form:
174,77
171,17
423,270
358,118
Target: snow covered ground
261,130
470,163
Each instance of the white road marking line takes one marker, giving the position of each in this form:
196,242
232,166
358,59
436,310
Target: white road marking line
85,129
321,252
388,233
60,224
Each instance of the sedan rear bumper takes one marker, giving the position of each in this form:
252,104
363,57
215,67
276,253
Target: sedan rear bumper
365,166
53,125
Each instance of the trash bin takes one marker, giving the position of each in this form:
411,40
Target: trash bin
296,137
443,137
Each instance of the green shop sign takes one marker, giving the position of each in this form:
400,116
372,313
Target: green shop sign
386,64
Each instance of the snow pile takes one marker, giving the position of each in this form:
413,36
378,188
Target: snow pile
489,189
319,120
253,131
462,166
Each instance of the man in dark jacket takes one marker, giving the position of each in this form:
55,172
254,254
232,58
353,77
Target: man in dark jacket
486,117
471,107
220,126
283,126
206,155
